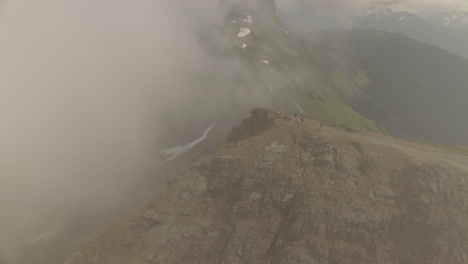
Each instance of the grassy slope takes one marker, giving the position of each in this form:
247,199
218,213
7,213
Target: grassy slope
320,80
332,109
301,74
321,95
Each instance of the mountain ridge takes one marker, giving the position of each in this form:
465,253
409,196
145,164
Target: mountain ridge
413,26
300,193
415,89
336,81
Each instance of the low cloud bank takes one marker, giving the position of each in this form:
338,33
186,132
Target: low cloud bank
89,92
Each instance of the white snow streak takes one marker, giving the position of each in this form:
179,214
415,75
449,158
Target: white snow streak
244,32
173,153
265,61
244,46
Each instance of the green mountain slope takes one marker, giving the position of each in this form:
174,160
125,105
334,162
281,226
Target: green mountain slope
298,76
415,90
358,79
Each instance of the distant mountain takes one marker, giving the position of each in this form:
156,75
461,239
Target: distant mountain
413,26
415,90
307,20
456,19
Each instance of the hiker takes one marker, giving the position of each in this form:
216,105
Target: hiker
295,114
302,119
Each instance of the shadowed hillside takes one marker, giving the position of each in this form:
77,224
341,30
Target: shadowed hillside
415,90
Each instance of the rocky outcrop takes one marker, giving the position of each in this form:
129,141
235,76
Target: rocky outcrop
261,120
298,193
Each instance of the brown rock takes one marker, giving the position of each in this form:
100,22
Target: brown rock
287,195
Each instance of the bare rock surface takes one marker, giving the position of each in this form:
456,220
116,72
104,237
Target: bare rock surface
285,192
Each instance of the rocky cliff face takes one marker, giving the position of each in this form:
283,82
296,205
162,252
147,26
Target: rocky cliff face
285,192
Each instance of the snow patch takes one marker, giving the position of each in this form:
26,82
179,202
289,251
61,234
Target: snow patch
175,152
286,31
248,19
234,21
402,18
244,46
244,32
265,61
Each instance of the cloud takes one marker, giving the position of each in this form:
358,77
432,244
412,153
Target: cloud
88,89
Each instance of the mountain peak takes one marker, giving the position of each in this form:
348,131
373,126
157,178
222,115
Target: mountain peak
289,192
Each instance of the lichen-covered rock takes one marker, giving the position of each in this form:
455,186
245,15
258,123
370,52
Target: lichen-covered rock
294,193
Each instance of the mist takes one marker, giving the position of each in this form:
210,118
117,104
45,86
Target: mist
86,91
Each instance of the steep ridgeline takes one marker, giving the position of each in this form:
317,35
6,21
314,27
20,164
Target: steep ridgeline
296,75
285,192
358,79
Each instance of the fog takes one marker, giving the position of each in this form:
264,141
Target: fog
86,88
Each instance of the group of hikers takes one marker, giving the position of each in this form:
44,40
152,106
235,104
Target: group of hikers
301,119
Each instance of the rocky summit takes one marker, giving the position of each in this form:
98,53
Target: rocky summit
282,191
